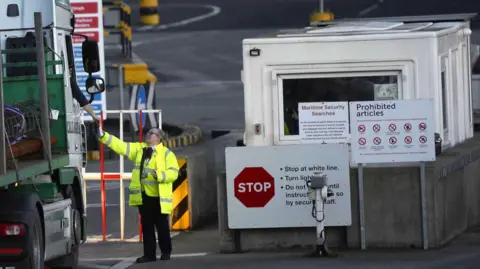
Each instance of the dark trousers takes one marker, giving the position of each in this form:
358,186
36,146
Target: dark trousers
151,219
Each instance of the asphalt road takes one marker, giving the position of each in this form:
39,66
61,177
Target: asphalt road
198,65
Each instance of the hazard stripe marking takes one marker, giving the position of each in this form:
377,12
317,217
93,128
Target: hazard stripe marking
180,219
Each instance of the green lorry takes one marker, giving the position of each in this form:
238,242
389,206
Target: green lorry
42,149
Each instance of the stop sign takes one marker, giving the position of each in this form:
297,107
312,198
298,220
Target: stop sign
254,187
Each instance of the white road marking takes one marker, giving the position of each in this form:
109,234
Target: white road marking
370,8
99,238
94,266
128,261
99,205
214,11
200,83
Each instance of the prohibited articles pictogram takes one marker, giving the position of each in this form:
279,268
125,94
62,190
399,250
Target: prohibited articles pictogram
362,141
361,128
407,139
377,140
407,127
422,126
376,128
392,127
422,139
392,140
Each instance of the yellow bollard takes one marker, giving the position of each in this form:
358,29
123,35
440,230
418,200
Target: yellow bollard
149,14
321,16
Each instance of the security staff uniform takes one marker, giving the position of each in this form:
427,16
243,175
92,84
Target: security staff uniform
156,168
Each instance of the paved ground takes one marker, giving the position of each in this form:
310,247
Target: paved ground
198,250
198,63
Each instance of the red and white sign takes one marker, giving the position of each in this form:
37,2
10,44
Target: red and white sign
361,128
85,8
80,39
396,135
392,127
89,22
86,22
362,141
254,187
407,127
266,187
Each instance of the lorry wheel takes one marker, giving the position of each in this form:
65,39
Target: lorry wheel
36,250
70,261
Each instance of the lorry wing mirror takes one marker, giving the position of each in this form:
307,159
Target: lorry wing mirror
95,85
90,56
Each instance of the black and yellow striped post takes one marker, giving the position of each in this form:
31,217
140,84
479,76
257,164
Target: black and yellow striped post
149,14
180,219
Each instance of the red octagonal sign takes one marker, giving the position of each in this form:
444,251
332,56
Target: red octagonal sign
254,187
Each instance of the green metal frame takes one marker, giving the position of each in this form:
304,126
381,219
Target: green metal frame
20,89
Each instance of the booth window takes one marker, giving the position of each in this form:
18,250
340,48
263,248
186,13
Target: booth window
332,89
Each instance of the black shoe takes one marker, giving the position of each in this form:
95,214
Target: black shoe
145,259
165,257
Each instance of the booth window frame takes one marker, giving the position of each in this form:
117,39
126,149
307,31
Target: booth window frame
401,71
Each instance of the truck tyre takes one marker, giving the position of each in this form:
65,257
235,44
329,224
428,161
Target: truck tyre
36,249
70,261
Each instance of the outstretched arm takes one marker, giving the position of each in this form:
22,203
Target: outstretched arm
169,173
128,150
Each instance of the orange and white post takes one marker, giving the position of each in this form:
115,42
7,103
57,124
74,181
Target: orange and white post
121,175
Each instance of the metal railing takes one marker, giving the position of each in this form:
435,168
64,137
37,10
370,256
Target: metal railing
121,175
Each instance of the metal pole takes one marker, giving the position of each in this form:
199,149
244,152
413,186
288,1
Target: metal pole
140,129
3,158
424,206
319,215
43,94
321,6
361,207
160,125
122,189
120,87
103,197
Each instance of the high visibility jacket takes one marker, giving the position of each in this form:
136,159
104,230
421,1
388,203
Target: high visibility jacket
157,176
286,131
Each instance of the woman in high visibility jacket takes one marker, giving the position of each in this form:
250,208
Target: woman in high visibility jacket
156,168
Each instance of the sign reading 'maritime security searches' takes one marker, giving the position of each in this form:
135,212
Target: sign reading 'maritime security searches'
323,122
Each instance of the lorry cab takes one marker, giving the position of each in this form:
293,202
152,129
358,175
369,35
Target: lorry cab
17,31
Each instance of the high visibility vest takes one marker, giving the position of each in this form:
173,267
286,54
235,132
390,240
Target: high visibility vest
286,131
158,174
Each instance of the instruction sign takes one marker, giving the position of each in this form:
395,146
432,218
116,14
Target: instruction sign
323,122
270,190
89,22
392,131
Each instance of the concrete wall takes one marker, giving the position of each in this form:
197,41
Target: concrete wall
392,207
202,160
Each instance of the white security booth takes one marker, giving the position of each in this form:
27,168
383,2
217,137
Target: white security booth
359,60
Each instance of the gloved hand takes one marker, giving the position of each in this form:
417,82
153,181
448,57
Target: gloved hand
98,131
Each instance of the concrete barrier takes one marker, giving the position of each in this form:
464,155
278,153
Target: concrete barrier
392,207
